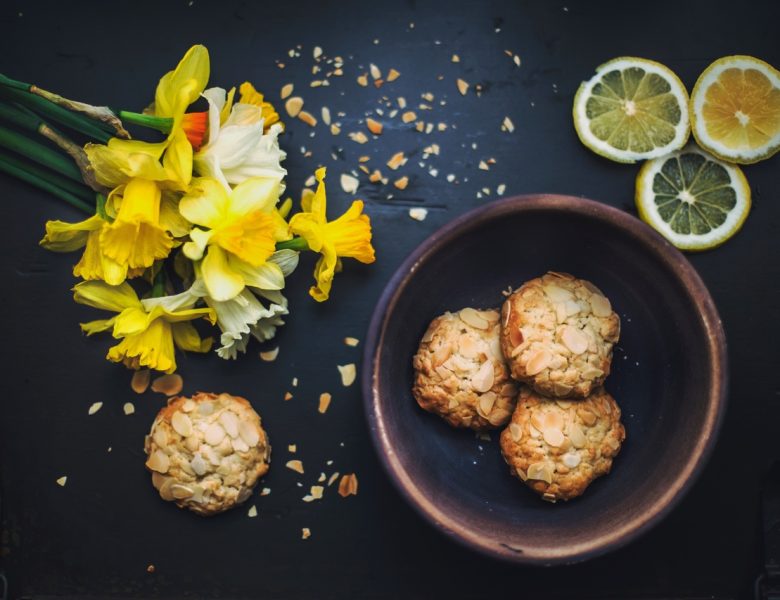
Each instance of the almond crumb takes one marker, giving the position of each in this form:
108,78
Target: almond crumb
252,512
350,341
362,80
483,165
348,486
325,115
418,214
348,374
128,408
287,89
392,75
507,125
307,118
288,396
463,87
455,58
305,533
61,481
359,137
270,355
295,465
396,161
401,182
375,72
349,183
293,106
374,127
408,116
325,399
375,176
140,381
96,406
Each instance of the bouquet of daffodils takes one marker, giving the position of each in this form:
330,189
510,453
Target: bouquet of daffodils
199,212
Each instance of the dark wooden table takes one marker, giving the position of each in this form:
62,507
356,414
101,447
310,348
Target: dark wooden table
96,536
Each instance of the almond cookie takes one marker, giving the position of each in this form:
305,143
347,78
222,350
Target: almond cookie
207,453
557,335
460,373
558,447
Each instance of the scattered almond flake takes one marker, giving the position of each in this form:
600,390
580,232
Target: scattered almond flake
483,165
427,96
330,462
293,106
350,341
295,382
378,83
349,183
483,436
333,478
396,161
463,87
501,189
305,533
140,381
326,115
348,486
401,182
61,481
418,214
338,72
364,159
348,374
96,406
308,498
307,118
374,70
401,102
310,181
359,137
150,569
291,53
374,127
265,491
287,89
428,127
451,177
288,396
317,52
455,58
491,161
375,176
315,69
433,172
441,126
364,168
128,408
292,448
335,129
295,465
109,449
408,116
423,106
516,60
419,126
432,149
170,385
325,399
362,80
316,491
252,512
507,125
392,75
486,191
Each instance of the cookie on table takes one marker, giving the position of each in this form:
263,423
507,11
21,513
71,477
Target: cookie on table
557,335
558,447
460,373
207,453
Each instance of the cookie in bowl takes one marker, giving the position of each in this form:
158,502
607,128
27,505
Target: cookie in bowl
557,335
460,373
207,453
558,447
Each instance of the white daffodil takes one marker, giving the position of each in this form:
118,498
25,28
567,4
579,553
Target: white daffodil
236,146
247,314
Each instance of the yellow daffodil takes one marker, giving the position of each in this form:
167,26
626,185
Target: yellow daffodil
243,228
170,161
348,236
249,95
239,143
136,238
148,329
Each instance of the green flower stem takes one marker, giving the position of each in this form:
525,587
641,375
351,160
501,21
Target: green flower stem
12,167
158,289
39,153
12,83
52,111
65,184
297,243
162,124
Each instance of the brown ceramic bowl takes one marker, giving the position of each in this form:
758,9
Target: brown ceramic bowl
669,376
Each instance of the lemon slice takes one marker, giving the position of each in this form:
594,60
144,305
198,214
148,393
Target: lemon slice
735,109
694,200
632,109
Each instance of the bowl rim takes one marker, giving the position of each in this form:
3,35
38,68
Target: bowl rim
706,438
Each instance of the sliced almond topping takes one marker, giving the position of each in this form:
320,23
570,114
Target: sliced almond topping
521,474
562,389
498,417
348,374
540,471
463,87
325,399
553,436
374,126
350,341
249,433
295,465
588,417
349,183
574,339
181,492
182,424
471,317
392,75
170,385
552,419
577,436
96,406
441,354
538,361
516,336
396,160
293,106
401,182
270,355
483,379
516,432
307,118
158,461
600,305
571,460
348,486
229,420
140,381
287,89
486,402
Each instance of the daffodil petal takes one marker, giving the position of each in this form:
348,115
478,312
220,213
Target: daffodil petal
206,203
178,159
286,259
131,321
152,348
67,237
98,294
221,281
268,276
93,327
192,69
194,250
215,97
170,218
186,337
